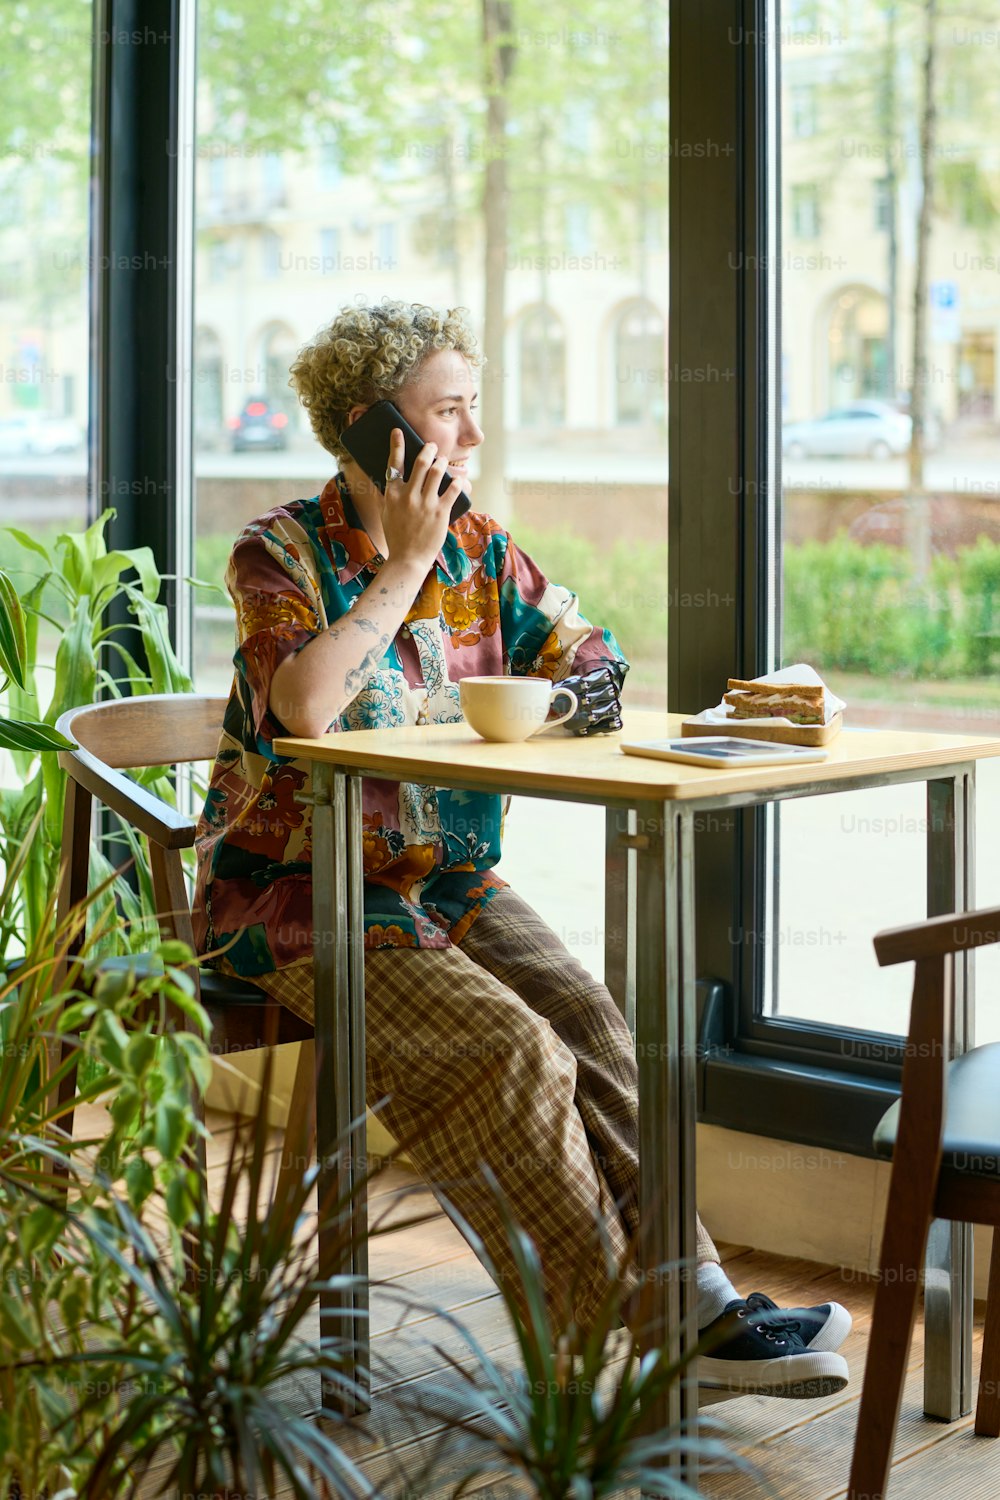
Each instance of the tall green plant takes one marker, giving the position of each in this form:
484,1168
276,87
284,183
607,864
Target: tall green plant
149,1324
59,1297
19,734
207,1364
68,586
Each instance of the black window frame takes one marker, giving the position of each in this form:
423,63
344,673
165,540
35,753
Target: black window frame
783,1078
141,305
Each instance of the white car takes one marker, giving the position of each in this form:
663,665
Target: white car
37,436
858,429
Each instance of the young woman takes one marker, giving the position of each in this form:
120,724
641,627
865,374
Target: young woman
358,609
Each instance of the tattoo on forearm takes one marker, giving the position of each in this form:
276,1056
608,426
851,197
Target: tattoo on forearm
363,623
355,679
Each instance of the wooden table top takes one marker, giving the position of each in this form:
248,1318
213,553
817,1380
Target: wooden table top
595,768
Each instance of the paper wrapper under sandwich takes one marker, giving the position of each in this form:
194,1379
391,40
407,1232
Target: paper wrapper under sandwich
782,731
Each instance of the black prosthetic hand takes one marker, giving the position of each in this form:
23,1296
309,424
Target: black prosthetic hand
599,696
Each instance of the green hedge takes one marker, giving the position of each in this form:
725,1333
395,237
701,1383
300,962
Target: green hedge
860,609
633,606
847,606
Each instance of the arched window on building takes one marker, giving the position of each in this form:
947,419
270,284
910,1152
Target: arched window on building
640,366
857,346
278,349
542,361
208,413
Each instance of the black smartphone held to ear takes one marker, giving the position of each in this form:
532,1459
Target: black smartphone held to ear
367,441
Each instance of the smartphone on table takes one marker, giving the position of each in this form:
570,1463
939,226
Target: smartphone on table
367,441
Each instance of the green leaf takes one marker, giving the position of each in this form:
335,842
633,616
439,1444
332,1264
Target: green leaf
180,1203
108,570
196,1057
165,671
111,987
24,704
139,1181
16,1330
144,563
22,734
38,1228
76,663
13,642
114,1039
140,1052
213,588
172,951
185,1002
170,1129
124,1107
73,1303
80,552
30,543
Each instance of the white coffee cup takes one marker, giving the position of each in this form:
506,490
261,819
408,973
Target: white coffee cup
511,708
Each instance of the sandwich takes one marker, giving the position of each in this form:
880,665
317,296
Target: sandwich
800,702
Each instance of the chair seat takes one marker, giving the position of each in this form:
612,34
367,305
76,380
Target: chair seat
972,1122
243,1015
220,988
229,989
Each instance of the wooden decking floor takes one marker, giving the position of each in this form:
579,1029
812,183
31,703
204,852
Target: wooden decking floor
800,1450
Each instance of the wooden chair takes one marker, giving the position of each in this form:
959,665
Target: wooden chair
943,1136
166,729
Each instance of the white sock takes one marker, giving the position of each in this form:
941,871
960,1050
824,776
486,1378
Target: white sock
715,1292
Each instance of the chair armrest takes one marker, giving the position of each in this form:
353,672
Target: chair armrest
954,933
151,815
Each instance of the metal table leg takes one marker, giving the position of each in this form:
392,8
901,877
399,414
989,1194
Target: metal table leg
356,1069
338,946
948,1281
665,1049
619,909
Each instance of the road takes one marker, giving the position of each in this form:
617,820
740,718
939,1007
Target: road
973,469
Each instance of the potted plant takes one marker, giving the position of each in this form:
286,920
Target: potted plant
148,1325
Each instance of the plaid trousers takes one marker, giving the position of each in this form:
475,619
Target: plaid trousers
505,1050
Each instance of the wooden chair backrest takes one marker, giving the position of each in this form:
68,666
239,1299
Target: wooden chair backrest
159,730
124,734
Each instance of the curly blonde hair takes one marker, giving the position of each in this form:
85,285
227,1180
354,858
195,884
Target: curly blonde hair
366,354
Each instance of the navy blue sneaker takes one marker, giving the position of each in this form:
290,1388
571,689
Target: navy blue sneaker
764,1353
823,1328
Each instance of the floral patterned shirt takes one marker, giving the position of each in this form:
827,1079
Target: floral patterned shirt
484,608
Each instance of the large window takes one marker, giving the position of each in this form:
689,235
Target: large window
891,440
523,175
44,267
45,279
411,190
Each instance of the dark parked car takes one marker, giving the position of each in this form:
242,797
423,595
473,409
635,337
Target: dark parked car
259,426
